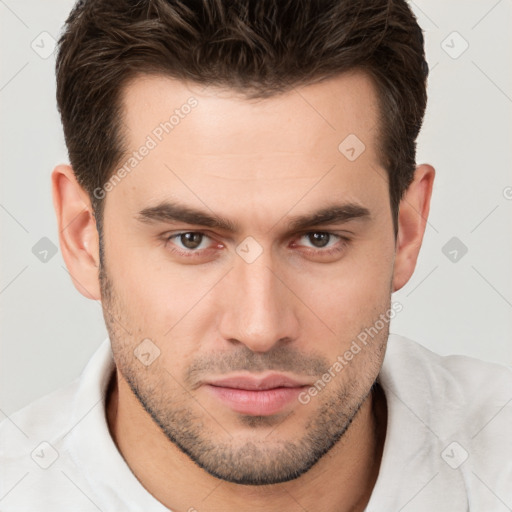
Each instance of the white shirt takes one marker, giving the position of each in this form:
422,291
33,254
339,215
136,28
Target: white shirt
448,443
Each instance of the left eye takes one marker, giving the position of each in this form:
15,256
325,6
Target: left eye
190,240
320,239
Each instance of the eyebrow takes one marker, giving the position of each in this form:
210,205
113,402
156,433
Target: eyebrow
175,212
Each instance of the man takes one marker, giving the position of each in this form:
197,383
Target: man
243,199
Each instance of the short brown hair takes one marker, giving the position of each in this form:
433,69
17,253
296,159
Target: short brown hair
257,47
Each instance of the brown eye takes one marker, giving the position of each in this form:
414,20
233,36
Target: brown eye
322,245
192,247
319,239
191,240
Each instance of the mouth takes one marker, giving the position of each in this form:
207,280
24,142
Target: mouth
256,396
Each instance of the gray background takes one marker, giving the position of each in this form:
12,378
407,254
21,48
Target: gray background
454,303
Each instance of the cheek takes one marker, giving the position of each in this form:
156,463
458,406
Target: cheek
160,301
145,293
352,294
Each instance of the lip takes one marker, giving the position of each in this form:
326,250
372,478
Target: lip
257,383
256,396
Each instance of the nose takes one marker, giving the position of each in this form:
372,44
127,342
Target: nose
258,309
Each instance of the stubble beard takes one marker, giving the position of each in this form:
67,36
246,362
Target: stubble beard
259,460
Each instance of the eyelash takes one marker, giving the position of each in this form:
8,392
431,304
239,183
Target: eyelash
200,252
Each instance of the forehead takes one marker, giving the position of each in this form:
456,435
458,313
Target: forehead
209,142
224,121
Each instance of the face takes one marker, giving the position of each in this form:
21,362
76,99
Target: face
244,253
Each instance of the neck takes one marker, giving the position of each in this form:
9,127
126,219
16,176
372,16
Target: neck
177,482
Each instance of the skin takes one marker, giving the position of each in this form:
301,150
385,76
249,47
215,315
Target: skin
293,310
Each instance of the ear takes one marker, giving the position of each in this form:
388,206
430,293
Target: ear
78,236
412,221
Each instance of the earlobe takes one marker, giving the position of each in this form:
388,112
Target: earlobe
78,236
412,221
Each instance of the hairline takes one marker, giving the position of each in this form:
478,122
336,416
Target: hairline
261,93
